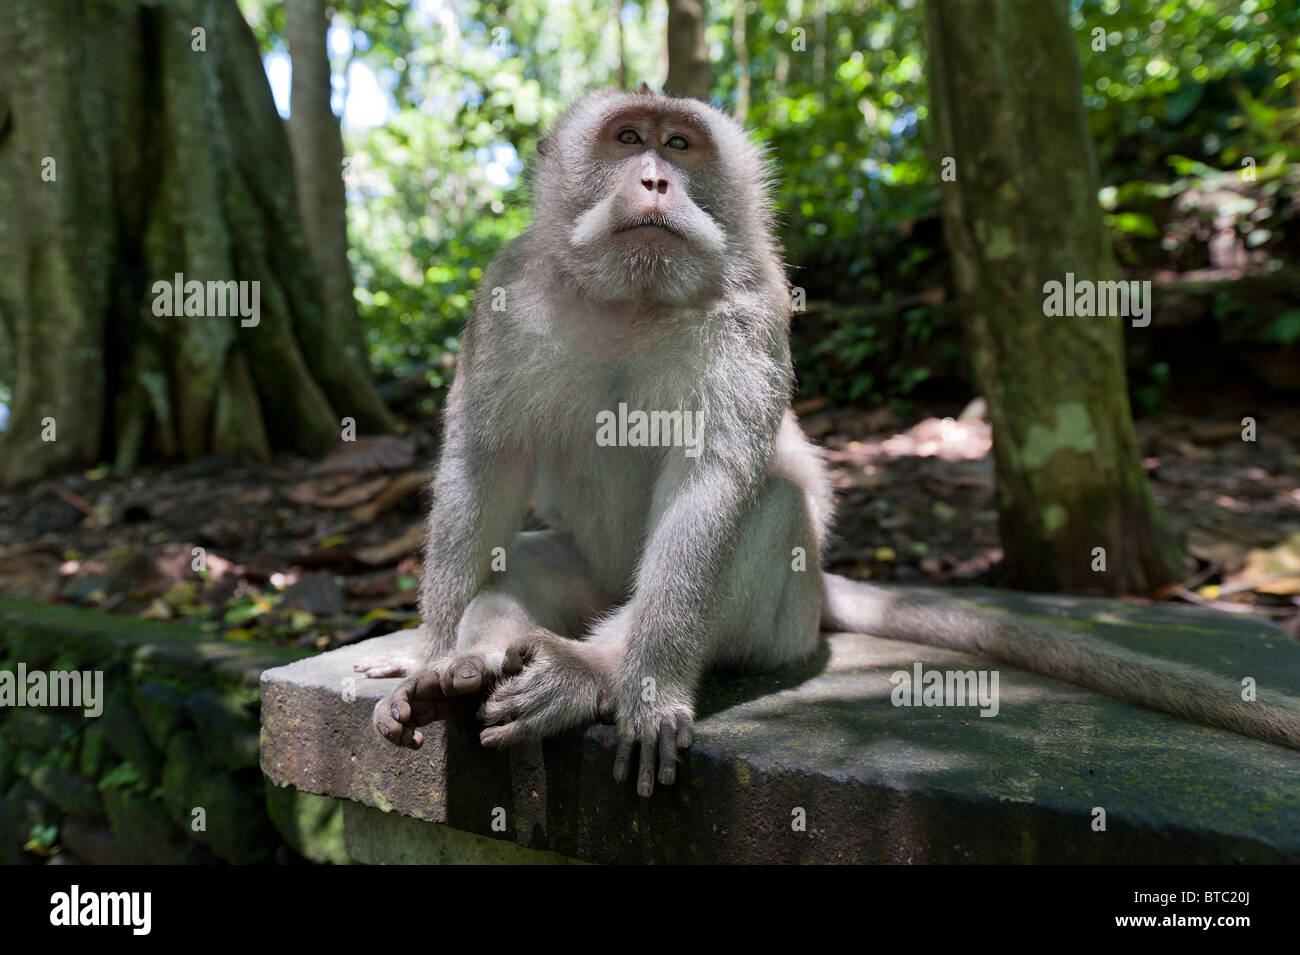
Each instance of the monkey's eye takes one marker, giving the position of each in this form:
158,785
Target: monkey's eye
629,137
676,142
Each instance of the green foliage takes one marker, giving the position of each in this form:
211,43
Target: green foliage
1149,391
124,776
1179,95
1285,329
845,120
438,188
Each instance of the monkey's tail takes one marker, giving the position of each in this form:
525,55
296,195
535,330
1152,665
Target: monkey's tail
1069,655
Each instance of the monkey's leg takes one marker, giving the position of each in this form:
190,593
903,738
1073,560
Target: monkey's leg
770,611
546,584
768,616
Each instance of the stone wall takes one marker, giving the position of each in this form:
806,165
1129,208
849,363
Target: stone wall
167,772
822,763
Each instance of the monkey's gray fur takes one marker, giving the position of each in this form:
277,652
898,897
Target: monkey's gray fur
650,278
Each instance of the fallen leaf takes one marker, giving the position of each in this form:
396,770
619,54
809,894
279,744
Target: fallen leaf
395,492
395,549
333,493
1275,570
368,454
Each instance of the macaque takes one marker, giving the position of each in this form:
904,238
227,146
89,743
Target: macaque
650,282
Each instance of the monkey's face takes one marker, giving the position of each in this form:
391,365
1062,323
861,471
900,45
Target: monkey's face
638,192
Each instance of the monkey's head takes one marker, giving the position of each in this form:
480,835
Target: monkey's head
653,198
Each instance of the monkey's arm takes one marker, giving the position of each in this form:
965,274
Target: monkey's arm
480,498
695,517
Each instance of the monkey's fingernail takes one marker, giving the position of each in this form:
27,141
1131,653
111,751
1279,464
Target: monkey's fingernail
667,775
396,718
643,788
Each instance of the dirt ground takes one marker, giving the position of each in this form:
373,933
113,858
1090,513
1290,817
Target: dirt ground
326,553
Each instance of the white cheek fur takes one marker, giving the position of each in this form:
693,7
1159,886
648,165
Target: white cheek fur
592,226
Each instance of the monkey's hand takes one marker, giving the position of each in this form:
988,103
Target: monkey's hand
450,686
562,687
660,722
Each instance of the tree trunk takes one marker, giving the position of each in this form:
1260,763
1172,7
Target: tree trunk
138,142
1022,211
619,35
740,47
316,140
689,73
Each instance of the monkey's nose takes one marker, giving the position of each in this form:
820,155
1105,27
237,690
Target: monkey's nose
655,185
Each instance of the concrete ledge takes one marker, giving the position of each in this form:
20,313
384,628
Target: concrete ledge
875,782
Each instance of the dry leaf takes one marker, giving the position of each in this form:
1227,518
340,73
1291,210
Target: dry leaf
395,492
395,549
368,454
1272,571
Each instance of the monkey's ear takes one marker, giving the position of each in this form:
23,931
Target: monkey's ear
543,145
644,89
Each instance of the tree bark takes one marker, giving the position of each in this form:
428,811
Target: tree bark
617,6
169,157
740,47
316,139
689,72
1021,212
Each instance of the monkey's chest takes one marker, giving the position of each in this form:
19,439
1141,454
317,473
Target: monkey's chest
601,495
602,450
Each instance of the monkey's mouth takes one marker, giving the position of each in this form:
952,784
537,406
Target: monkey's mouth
649,221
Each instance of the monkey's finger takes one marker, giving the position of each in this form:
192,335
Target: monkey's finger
517,654
667,755
466,671
393,731
645,777
467,677
494,737
410,738
522,652
378,671
424,683
501,708
623,757
685,735
507,689
385,725
399,705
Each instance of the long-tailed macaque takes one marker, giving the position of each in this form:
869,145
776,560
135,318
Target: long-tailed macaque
626,372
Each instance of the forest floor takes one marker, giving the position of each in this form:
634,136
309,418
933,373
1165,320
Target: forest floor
325,553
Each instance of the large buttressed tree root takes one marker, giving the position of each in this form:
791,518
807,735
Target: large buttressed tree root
168,156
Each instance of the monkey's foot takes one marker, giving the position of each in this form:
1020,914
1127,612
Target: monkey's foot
377,668
660,728
561,688
450,686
